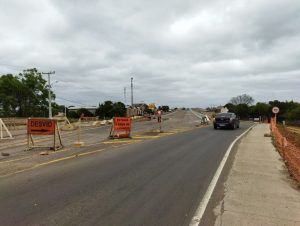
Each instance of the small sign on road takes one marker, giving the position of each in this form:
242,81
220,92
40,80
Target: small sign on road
42,126
275,110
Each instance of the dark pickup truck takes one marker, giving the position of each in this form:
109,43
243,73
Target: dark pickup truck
226,120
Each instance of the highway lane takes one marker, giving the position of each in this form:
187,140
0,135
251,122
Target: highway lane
88,134
155,182
18,160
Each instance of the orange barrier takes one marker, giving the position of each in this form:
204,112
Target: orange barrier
43,126
121,127
289,152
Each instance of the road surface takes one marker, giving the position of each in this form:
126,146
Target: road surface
154,182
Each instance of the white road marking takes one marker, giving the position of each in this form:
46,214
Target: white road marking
197,114
203,204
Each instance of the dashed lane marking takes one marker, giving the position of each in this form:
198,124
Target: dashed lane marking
179,131
167,133
53,161
121,141
145,137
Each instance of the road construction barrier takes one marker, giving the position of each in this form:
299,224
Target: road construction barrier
88,119
43,126
289,152
15,123
4,129
121,127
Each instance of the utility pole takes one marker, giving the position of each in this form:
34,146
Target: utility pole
49,91
131,92
125,96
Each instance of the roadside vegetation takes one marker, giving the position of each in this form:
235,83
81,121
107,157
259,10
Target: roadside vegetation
243,106
291,133
26,95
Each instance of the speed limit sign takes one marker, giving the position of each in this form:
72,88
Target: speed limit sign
275,110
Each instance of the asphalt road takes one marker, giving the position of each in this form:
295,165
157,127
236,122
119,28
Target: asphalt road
154,182
92,135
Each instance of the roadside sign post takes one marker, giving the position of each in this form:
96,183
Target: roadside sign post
121,128
43,126
275,110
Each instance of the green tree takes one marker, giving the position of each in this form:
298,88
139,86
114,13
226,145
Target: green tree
242,99
119,109
108,109
24,95
284,107
58,108
164,108
86,112
105,109
293,115
231,107
35,101
11,92
73,114
260,110
243,111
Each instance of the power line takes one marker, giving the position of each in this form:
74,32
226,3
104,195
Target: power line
72,101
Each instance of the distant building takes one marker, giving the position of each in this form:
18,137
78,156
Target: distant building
224,110
221,109
137,109
152,106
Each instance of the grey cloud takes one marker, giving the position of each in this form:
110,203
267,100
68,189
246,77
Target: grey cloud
192,53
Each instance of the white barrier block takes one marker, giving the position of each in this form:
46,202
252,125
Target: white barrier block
3,126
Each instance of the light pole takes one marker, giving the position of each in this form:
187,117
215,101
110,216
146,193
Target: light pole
132,110
49,91
131,92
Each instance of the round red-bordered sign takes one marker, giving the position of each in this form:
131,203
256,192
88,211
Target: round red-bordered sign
275,110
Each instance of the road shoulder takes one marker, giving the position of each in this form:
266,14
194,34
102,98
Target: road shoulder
258,190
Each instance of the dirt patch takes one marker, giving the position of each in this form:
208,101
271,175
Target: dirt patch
288,145
292,135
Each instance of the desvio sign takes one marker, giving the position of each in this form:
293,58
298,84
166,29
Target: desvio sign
41,126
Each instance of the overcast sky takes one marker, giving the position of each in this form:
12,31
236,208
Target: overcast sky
193,53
